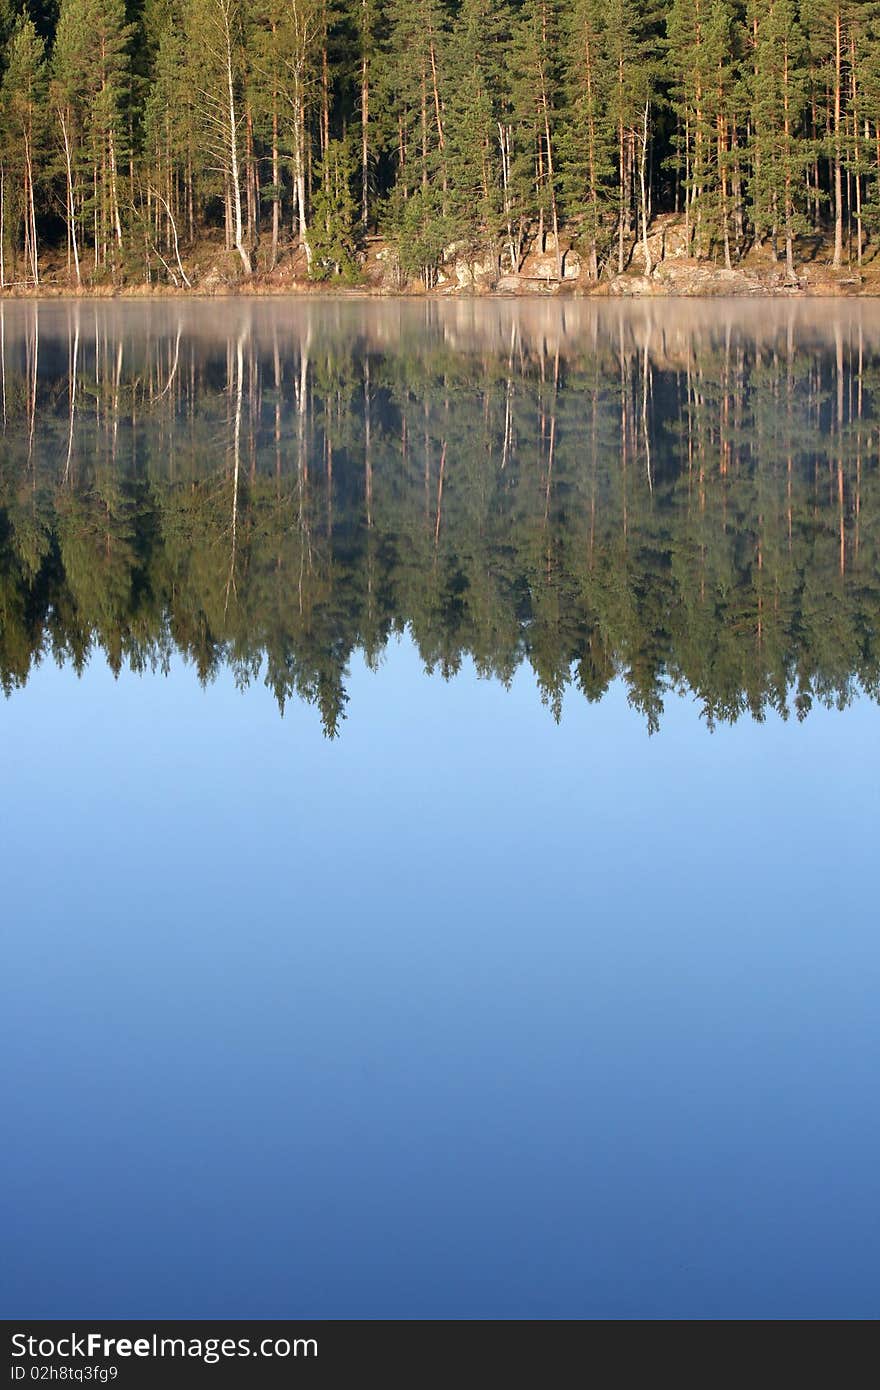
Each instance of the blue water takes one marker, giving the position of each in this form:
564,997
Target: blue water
465,1014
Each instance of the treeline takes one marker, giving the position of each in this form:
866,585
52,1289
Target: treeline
692,508
131,128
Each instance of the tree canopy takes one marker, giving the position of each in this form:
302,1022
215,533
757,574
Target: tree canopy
130,132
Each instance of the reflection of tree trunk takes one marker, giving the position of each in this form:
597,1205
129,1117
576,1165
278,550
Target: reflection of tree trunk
838,160
236,466
368,453
552,447
173,373
858,496
303,462
117,382
276,363
33,350
508,421
3,360
839,431
72,393
365,119
624,426
646,433
440,494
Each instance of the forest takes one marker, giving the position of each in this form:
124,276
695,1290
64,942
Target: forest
679,506
134,132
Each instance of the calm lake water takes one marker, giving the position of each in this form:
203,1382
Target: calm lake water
440,795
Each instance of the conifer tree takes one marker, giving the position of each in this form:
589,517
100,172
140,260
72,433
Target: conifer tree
216,58
478,116
413,82
68,110
827,24
333,232
171,158
536,78
488,125
368,58
631,57
299,38
22,112
777,101
587,140
266,78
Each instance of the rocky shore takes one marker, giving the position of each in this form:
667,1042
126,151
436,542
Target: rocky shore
666,271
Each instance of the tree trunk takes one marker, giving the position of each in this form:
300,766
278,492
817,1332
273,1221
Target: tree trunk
71,212
232,132
276,183
649,264
838,163
365,120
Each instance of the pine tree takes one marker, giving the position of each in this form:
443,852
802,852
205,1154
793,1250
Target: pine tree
536,90
477,119
68,109
778,101
171,157
632,61
827,24
334,223
22,128
266,84
216,60
91,94
587,140
865,63
484,123
368,21
412,86
300,37
701,62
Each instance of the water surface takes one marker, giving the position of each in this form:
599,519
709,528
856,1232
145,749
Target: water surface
528,965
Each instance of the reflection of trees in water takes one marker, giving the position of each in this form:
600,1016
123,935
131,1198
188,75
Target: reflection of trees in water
679,497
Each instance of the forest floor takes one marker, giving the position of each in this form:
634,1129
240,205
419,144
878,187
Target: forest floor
215,272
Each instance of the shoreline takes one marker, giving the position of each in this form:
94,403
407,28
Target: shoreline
662,271
366,293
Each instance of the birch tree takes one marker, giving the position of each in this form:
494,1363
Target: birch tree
217,57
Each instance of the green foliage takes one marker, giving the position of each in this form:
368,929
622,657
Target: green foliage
22,139
478,124
334,226
420,232
778,100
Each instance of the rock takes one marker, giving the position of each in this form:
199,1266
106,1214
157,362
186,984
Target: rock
541,265
627,285
476,272
666,241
